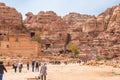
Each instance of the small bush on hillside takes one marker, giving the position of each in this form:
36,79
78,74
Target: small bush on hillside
74,50
36,38
19,55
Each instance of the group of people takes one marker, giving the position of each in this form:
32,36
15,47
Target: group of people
35,67
19,66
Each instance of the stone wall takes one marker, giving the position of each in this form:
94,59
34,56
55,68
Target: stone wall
19,45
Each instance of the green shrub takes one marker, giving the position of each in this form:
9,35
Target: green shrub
99,58
36,38
19,55
74,50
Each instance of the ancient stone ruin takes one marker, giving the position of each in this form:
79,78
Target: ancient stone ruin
94,35
13,42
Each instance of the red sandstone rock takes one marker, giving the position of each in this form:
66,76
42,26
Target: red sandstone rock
90,25
10,19
44,21
98,35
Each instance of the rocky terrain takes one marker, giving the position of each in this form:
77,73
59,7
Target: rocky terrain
44,21
10,20
94,35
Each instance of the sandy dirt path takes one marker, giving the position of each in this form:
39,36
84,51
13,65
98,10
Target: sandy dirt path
69,72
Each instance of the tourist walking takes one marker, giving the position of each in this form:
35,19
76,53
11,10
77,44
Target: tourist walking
15,66
33,65
2,69
39,63
20,66
28,65
43,71
37,67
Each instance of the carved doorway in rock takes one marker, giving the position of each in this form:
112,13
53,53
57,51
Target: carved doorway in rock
32,34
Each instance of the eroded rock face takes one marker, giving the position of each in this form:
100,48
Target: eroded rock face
99,35
73,18
49,25
112,34
106,21
58,25
44,21
95,35
90,25
114,23
101,25
76,20
10,19
2,4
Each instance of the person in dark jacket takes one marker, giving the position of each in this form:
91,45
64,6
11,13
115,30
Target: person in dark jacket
37,66
2,69
28,65
15,66
33,65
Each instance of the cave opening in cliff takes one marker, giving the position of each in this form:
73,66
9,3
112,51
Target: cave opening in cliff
47,45
7,46
32,34
3,34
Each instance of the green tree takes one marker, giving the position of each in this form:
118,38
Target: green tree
36,38
74,50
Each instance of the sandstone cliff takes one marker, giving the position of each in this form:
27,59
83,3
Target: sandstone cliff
44,21
98,35
95,35
106,21
51,27
76,20
10,20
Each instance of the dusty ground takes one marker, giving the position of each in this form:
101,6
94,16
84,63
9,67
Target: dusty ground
69,72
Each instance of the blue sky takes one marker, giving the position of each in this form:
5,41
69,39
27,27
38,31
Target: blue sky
61,7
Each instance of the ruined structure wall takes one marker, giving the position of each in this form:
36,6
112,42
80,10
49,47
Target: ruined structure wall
23,46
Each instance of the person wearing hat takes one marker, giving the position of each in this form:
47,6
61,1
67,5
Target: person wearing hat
2,69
